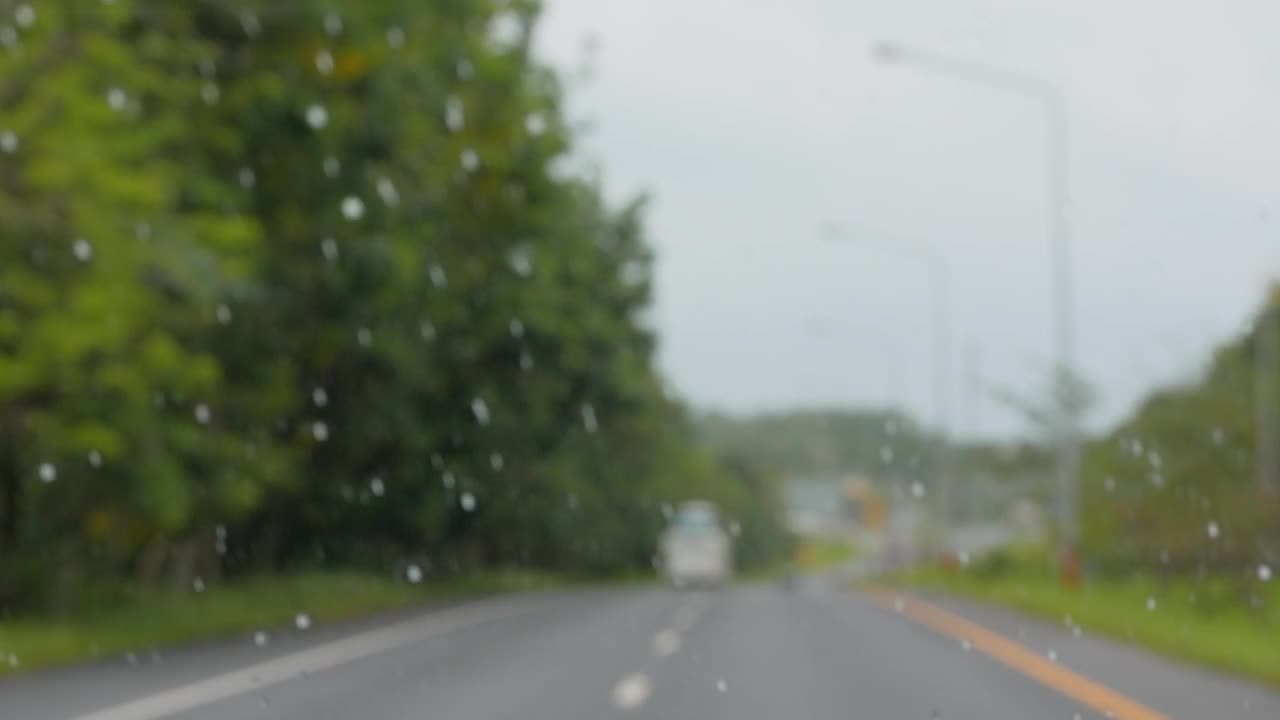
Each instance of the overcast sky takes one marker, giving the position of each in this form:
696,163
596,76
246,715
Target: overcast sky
753,122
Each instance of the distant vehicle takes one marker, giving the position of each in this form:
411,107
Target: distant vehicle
695,549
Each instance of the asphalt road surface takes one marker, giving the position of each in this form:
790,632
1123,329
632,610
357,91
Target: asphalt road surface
748,652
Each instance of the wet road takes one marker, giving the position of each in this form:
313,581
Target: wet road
748,653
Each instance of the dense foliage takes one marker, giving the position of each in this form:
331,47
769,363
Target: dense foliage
282,287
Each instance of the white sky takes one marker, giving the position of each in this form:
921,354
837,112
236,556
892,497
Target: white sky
753,122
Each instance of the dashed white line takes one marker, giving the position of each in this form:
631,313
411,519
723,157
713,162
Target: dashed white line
631,691
666,642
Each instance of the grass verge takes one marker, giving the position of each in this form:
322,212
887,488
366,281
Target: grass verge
153,619
1183,618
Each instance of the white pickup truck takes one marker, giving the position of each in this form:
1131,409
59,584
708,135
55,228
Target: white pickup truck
694,548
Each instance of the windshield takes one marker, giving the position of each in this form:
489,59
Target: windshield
496,359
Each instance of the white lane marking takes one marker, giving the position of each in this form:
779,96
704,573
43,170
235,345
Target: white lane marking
666,642
305,662
631,691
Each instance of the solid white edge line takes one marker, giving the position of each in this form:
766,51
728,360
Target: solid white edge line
311,660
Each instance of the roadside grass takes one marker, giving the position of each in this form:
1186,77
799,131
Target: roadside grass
811,555
1209,622
157,619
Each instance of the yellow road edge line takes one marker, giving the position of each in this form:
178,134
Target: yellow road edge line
1029,663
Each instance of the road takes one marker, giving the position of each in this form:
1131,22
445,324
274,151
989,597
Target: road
747,652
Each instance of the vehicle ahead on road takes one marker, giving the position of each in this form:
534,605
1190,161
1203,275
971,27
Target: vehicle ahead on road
695,549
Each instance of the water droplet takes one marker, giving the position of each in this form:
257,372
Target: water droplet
198,584
1076,631
395,37
480,409
1154,459
329,249
8,141
117,99
469,159
467,501
964,558
260,638
454,114
377,487
427,330
886,454
247,177
722,686
917,489
249,23
48,472
465,69
24,15
1136,448
521,261
319,431
324,62
1212,530
387,191
202,414
302,621
535,124
496,462
1218,436
209,93
1264,572
352,208
526,360
1109,483
222,314
413,574
333,24
1151,603
82,249
448,480
364,337
319,397
317,116
898,604
1052,655
589,422
438,276
966,645
1157,479
14,661
95,459
332,167
516,328
8,36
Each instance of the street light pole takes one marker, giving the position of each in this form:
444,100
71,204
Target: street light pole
1047,94
940,330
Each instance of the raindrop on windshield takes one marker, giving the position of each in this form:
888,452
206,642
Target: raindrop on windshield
82,249
202,414
319,397
117,99
1151,603
95,459
209,92
332,167
496,462
249,23
722,686
886,454
376,486
324,62
1109,483
387,191
1218,436
438,276
48,472
454,114
395,37
333,24
13,660
480,409
302,621
467,502
535,123
1212,530
469,159
8,36
516,328
427,330
247,178
521,261
413,574
24,15
8,141
526,361
260,638
966,645
222,314
917,489
364,337
319,431
197,584
317,116
352,208
1264,573
448,480
589,418
329,249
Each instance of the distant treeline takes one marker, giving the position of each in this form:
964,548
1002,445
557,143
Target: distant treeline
285,287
